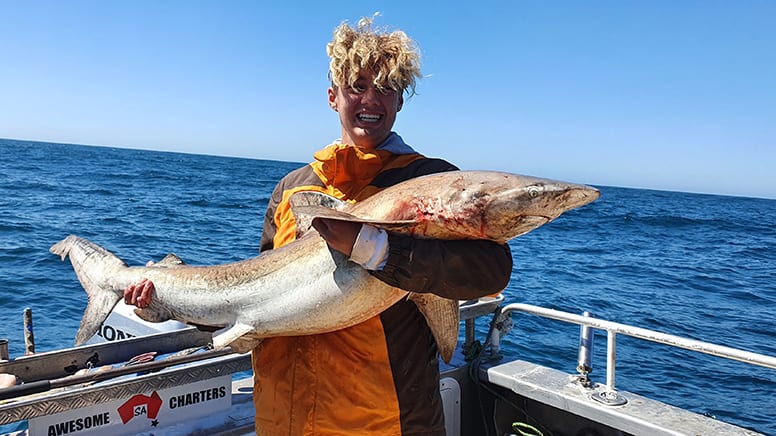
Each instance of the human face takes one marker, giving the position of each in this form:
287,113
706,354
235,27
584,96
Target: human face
366,113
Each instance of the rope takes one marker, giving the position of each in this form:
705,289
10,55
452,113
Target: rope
530,430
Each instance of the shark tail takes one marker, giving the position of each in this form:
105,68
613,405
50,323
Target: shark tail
94,266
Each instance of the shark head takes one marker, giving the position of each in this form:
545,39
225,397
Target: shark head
513,205
459,205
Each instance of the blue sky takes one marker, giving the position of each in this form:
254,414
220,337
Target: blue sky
672,95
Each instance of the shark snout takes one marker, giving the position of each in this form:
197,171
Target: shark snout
580,195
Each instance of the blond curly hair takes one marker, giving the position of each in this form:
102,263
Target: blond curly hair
393,56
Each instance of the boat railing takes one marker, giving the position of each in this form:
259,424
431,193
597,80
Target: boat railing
472,309
612,329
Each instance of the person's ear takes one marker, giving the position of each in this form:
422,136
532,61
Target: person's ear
400,103
333,99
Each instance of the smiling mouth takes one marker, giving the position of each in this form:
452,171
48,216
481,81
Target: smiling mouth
369,118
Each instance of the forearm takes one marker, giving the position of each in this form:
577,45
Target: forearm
460,269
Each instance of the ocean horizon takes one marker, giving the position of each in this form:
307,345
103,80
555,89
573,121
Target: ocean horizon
172,151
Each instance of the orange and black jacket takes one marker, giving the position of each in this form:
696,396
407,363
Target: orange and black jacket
380,377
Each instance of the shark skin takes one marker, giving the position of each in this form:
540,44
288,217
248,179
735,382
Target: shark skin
305,287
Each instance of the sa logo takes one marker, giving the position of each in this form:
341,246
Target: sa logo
140,405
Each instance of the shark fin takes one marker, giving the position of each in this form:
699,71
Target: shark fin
310,212
155,312
315,198
97,309
231,335
170,261
304,202
245,343
308,205
442,316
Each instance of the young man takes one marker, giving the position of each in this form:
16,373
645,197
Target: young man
380,377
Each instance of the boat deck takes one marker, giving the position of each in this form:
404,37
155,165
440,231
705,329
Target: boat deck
198,391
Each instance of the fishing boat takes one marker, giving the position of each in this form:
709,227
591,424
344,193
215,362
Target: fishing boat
135,377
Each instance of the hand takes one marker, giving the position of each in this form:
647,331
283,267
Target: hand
340,235
139,294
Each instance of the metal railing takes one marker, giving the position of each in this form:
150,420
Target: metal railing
613,328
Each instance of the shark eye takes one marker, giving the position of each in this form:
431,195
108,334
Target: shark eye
533,192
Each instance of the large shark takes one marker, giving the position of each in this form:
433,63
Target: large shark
305,287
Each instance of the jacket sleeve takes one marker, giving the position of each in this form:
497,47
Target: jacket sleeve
460,269
269,229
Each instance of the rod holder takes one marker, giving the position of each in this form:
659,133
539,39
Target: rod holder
29,335
584,360
4,349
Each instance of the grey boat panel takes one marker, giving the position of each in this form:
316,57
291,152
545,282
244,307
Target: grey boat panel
639,416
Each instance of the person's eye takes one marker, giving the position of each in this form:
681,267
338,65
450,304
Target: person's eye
357,89
386,91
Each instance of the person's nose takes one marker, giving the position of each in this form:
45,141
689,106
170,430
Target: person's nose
370,95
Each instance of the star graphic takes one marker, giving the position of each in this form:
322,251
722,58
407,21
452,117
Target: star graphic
154,423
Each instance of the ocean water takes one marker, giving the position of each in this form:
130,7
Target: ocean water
700,266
